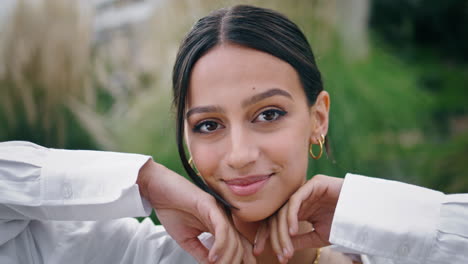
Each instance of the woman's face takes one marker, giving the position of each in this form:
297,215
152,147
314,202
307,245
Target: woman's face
249,128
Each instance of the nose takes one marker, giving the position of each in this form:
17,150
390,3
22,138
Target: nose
243,150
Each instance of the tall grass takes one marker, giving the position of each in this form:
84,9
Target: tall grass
45,49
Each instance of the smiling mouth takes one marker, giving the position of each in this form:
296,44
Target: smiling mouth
247,185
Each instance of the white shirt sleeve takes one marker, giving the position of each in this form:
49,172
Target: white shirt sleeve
40,187
394,222
55,184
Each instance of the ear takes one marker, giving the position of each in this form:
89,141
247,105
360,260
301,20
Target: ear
319,117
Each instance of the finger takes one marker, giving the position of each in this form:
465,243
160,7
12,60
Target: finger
274,239
215,222
261,238
295,203
248,257
283,233
230,253
195,248
221,230
307,240
238,254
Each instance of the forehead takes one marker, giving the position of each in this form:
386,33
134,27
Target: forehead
233,72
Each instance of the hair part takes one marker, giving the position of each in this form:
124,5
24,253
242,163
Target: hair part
254,27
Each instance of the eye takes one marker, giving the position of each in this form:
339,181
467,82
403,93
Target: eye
208,126
270,115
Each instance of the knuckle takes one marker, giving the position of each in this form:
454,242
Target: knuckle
321,177
223,228
295,198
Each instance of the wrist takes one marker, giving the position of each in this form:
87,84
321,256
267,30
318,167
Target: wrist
144,176
163,188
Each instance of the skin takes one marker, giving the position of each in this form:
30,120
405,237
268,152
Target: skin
315,202
248,115
186,212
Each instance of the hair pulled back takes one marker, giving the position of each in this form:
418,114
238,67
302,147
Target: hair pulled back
257,28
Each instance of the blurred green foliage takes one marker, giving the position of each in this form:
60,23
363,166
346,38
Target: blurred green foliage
431,37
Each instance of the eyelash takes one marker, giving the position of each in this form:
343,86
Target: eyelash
197,127
278,115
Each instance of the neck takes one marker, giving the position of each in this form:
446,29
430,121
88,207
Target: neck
249,231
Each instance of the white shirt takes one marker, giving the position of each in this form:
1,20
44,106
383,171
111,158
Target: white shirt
407,223
74,206
65,206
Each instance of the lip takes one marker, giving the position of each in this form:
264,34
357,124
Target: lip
249,185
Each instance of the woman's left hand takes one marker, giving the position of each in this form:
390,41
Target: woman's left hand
314,202
275,229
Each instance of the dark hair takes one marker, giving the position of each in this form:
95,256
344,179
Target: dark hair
257,28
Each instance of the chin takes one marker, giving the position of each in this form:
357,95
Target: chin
252,212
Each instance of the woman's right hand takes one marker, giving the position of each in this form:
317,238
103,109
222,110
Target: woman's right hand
186,211
314,202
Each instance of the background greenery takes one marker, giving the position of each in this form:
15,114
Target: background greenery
396,72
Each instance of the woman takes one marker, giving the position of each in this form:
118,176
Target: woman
250,103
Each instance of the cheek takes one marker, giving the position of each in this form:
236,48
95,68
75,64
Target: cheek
206,159
289,149
291,154
293,160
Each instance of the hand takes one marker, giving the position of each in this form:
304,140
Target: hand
314,202
186,212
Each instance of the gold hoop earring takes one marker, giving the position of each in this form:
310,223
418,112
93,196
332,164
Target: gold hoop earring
321,143
190,162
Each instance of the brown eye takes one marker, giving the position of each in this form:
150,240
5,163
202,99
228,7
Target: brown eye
210,126
270,115
207,127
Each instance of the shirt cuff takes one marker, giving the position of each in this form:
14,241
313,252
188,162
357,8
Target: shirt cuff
386,218
92,185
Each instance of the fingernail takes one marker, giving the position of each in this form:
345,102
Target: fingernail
285,252
214,258
280,258
291,231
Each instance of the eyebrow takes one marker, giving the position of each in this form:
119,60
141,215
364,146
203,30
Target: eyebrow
203,109
250,101
261,96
